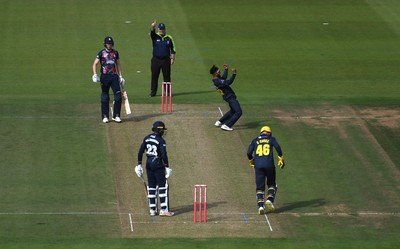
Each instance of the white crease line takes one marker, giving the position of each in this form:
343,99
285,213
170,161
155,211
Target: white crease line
360,213
269,224
59,213
130,221
207,114
49,117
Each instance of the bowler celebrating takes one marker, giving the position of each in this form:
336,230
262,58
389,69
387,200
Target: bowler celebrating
223,86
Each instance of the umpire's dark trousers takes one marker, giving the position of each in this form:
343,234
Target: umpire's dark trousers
158,64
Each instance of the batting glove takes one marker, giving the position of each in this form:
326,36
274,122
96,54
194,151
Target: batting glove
95,78
251,162
139,170
168,172
122,81
281,162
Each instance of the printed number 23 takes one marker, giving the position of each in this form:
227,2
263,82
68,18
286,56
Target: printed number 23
151,150
263,150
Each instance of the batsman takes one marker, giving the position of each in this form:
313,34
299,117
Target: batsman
261,159
111,77
157,169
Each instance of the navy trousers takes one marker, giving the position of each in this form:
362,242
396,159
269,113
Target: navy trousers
157,186
233,115
110,81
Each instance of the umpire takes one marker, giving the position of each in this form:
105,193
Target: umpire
263,163
163,55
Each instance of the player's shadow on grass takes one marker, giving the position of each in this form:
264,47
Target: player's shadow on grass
135,118
190,93
294,205
189,208
249,125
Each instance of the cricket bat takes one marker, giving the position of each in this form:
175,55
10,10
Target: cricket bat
126,103
145,185
126,100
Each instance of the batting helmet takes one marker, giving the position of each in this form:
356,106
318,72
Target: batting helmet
265,128
159,127
108,40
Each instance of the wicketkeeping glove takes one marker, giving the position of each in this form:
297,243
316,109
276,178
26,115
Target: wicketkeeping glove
95,78
281,162
251,162
168,172
139,170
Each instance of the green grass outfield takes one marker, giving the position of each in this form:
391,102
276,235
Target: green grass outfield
323,74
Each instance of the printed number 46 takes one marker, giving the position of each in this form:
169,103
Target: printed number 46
263,150
151,150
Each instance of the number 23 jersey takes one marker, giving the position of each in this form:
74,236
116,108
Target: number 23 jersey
156,151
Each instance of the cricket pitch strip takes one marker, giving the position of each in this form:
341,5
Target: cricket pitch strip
200,153
196,156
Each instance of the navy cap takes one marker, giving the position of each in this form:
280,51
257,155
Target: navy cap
161,26
158,125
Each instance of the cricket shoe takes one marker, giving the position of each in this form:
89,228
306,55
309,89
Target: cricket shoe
117,119
226,128
270,206
166,213
261,210
218,124
153,212
105,120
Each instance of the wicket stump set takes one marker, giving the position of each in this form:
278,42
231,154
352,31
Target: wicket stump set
200,191
166,97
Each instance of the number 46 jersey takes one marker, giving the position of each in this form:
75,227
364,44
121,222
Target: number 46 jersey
156,151
261,149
